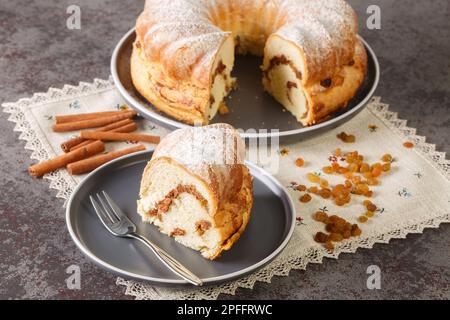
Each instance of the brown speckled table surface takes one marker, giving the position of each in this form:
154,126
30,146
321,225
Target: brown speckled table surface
38,51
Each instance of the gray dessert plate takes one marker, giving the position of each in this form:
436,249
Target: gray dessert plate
252,110
269,230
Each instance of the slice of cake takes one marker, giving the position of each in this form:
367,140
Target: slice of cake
197,189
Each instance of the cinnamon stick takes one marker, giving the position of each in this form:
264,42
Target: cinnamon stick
69,144
117,136
85,116
90,164
38,170
126,128
93,123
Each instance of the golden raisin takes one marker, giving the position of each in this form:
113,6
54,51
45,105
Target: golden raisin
301,187
368,175
356,179
370,214
364,167
338,190
299,162
323,183
408,144
350,139
376,172
312,177
348,184
223,109
386,158
305,198
356,231
369,193
346,234
348,175
366,202
347,138
313,189
336,237
373,182
335,166
325,193
362,219
334,218
340,201
342,170
342,135
371,207
320,216
353,167
320,237
386,167
362,187
347,226
375,165
338,152
329,246
328,170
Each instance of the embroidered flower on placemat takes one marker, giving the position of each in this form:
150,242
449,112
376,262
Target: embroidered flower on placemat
333,158
149,127
75,104
404,193
292,185
372,127
299,221
418,175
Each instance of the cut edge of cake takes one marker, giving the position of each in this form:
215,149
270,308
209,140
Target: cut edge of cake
196,191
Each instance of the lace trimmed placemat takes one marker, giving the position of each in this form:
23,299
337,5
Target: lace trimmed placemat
413,196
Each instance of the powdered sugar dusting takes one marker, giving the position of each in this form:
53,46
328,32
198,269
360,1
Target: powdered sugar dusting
216,144
211,152
182,35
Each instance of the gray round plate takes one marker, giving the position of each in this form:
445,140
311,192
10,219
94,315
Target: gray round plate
270,227
250,106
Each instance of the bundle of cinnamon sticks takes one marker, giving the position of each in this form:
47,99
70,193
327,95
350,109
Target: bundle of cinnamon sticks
81,154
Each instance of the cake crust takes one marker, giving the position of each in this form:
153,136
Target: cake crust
186,110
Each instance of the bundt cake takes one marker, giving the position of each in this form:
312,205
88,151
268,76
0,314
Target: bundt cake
313,61
197,189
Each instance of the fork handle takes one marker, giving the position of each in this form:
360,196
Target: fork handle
169,261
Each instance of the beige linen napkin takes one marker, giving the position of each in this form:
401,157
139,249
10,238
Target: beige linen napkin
413,196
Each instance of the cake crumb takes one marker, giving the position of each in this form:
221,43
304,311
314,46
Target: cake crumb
177,232
223,109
